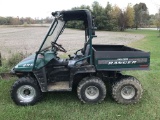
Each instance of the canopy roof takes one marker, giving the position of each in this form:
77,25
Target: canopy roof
82,14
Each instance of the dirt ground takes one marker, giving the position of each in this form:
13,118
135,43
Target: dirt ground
28,39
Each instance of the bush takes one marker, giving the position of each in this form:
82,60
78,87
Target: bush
14,58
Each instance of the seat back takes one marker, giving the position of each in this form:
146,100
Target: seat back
86,52
86,61
84,48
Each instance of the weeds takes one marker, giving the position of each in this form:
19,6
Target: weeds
11,61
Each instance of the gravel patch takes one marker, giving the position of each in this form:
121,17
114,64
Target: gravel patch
29,39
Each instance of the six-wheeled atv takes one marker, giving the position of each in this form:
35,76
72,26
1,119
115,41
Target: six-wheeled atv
87,70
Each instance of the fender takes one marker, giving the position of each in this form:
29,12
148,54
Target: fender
81,69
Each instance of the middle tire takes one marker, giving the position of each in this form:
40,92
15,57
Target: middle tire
91,90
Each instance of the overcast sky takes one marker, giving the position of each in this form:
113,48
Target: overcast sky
43,8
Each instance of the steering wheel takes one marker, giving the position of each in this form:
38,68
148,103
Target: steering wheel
59,47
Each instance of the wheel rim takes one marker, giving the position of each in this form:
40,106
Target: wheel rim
92,92
128,92
26,93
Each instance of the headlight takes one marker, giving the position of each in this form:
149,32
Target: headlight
12,71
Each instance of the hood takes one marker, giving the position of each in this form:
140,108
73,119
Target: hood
26,64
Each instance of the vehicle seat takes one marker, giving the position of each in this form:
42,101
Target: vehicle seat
60,62
83,50
86,53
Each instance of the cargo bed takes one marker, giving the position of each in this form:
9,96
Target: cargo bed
119,57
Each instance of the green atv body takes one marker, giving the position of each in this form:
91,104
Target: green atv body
87,71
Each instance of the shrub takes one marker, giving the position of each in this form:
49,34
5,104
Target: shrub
15,58
11,61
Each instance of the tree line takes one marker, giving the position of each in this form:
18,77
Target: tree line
109,18
22,21
113,18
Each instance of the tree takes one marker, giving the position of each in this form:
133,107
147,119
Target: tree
122,20
108,17
3,21
141,14
99,14
152,19
115,14
77,24
130,15
48,20
157,21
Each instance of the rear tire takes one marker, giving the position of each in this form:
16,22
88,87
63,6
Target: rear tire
25,91
91,90
127,90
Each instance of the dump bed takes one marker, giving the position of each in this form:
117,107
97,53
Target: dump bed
119,57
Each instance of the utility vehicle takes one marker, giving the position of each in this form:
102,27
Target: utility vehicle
87,70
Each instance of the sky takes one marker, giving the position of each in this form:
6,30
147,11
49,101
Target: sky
43,8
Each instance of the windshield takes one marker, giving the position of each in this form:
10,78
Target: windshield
56,28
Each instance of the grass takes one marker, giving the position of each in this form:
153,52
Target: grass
66,106
7,64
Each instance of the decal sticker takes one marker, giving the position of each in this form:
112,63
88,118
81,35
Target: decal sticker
123,61
16,66
27,65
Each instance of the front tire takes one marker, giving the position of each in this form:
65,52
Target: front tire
127,90
25,91
91,90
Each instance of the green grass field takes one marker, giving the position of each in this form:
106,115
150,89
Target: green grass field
66,106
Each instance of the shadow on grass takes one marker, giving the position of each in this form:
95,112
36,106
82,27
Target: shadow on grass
60,97
68,98
50,97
